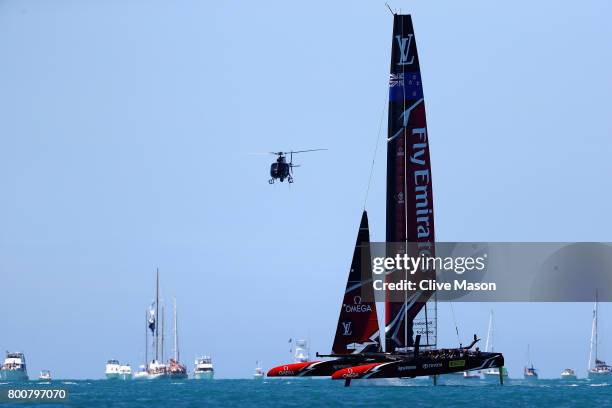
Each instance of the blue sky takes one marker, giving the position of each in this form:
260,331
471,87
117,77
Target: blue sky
125,128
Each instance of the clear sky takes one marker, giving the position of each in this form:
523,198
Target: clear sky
125,128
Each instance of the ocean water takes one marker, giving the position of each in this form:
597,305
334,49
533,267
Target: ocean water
324,393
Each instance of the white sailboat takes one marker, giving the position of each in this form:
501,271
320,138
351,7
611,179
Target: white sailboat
598,369
492,373
156,369
529,372
175,369
259,372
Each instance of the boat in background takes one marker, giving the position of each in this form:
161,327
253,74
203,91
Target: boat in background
176,370
14,367
529,372
598,369
302,351
125,372
203,369
568,375
259,372
492,373
45,375
155,368
470,375
142,373
116,371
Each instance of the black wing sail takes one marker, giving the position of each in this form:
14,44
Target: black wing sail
410,215
357,330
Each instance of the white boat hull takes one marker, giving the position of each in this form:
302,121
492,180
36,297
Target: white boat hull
600,376
206,375
569,377
14,375
160,376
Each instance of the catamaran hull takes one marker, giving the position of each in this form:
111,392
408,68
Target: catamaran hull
313,368
14,375
410,368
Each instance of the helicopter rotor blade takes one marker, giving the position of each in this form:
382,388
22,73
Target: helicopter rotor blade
305,151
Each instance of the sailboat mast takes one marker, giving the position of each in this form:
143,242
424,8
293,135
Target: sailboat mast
596,324
176,353
163,319
157,317
146,337
490,334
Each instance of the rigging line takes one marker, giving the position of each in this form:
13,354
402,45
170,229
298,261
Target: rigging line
382,115
455,322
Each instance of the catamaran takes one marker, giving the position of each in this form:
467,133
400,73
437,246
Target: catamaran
14,367
598,369
409,336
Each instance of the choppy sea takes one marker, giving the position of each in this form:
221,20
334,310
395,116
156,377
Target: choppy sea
320,392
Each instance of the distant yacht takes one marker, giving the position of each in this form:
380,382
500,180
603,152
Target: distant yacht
492,373
259,372
203,369
116,371
14,367
45,375
568,374
175,369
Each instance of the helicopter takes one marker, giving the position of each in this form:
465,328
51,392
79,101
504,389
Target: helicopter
281,170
